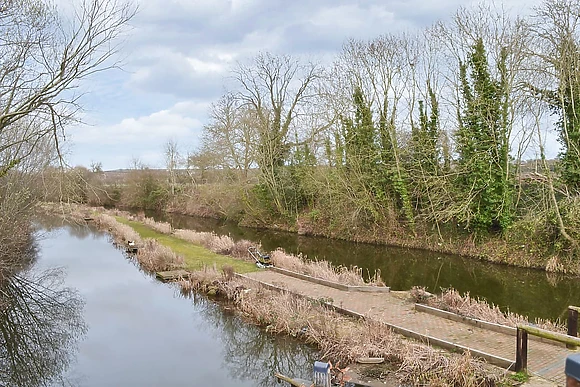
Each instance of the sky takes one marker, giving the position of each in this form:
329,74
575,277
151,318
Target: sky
178,55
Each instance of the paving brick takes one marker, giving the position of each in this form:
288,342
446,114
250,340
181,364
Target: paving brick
545,360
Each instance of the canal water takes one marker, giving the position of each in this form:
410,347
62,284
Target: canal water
526,291
85,315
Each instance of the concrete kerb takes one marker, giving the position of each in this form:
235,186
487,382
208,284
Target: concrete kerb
491,359
335,285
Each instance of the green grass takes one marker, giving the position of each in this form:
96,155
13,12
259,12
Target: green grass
520,377
196,257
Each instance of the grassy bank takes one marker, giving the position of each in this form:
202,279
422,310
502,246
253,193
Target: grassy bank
532,240
195,257
521,245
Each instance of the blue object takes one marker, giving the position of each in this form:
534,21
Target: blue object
573,366
321,368
321,374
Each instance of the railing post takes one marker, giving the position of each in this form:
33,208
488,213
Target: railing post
521,350
572,324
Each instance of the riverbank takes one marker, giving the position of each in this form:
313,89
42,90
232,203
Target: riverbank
519,246
349,339
532,240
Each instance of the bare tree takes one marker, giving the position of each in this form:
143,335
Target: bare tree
381,70
557,58
553,81
172,163
278,89
43,57
231,134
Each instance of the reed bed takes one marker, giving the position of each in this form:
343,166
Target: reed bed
325,270
161,227
120,232
219,244
240,249
155,257
465,305
342,339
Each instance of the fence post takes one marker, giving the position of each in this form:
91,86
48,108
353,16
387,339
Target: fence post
572,324
521,350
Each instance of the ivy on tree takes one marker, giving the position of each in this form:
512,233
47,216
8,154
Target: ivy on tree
484,181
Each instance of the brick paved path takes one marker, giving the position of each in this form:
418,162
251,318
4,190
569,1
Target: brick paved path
545,360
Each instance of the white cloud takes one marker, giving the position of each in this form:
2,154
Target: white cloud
141,137
179,54
204,67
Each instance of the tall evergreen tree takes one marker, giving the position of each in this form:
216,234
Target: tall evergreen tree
391,178
372,150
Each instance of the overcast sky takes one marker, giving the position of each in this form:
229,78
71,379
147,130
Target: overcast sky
178,55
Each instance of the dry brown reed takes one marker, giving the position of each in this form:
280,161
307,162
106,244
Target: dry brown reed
200,238
228,271
120,232
342,339
324,270
240,249
554,265
161,227
199,278
220,244
155,257
465,305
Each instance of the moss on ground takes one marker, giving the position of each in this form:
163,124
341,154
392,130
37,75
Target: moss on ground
196,257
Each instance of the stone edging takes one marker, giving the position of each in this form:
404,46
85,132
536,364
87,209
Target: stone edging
335,285
506,330
491,359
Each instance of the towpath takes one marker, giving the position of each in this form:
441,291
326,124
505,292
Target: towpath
544,359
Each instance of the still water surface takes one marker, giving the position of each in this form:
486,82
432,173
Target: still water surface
121,327
525,291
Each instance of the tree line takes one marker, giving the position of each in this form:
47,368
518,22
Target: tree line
443,127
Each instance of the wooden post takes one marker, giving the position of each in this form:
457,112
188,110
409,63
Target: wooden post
572,324
521,350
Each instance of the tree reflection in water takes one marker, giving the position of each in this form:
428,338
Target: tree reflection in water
249,352
40,325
